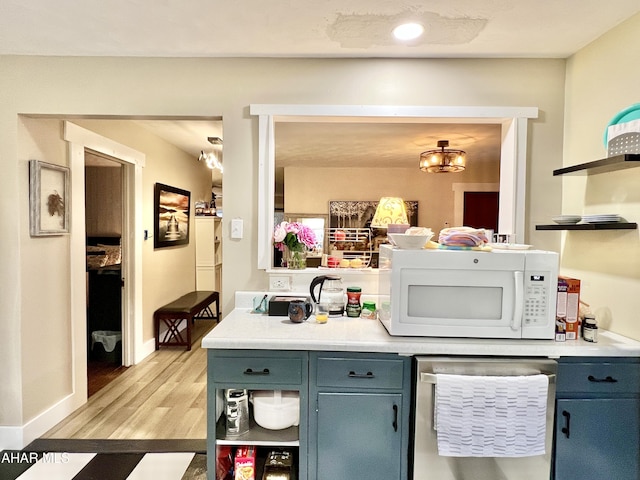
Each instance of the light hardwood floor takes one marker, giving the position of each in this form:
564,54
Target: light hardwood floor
163,397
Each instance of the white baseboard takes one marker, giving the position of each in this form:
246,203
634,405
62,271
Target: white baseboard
18,437
147,349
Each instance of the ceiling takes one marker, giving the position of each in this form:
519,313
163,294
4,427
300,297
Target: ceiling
318,29
305,28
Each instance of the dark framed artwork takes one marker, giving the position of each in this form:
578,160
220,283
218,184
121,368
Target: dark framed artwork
48,199
171,216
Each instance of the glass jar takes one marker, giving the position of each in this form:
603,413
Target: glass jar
590,330
353,301
368,310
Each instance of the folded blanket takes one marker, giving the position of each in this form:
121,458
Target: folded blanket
463,237
438,246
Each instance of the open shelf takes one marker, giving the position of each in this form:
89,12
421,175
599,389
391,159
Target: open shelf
289,437
590,226
610,164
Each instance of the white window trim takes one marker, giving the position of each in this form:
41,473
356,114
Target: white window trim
513,164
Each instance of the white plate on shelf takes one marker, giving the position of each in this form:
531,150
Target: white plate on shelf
604,218
566,219
510,246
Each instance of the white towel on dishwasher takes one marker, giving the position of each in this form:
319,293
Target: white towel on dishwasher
491,416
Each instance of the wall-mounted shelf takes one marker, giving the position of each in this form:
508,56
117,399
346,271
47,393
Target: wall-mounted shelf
610,164
590,226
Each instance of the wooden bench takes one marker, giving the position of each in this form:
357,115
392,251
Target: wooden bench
190,307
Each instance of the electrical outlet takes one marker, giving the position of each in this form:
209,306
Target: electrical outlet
279,282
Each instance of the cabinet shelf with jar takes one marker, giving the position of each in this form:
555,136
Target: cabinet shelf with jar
257,371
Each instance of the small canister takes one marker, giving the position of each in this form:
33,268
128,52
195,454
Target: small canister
590,330
368,310
353,301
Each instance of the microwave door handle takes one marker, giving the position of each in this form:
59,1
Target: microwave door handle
518,307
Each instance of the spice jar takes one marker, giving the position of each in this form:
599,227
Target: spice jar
590,330
368,310
353,301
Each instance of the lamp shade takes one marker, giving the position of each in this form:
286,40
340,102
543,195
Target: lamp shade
391,210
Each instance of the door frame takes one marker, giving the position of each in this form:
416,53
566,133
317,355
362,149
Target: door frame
78,139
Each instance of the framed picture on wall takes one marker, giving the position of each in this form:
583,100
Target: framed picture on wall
48,199
171,216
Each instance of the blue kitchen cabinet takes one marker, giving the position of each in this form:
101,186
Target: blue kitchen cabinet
597,433
359,416
256,370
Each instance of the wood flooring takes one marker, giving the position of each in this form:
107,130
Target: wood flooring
163,397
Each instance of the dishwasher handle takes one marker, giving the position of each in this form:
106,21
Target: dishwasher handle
432,378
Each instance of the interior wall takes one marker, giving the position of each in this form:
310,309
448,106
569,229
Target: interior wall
433,192
45,328
59,86
607,262
169,272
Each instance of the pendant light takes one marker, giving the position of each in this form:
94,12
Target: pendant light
442,159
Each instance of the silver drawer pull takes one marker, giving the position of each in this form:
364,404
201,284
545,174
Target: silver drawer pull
353,374
264,371
608,379
432,378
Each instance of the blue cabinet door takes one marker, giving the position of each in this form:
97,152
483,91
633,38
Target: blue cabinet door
359,436
597,439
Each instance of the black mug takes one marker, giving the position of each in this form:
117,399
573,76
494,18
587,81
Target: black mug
299,311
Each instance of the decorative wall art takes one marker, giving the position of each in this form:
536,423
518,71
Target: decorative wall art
171,213
358,214
48,199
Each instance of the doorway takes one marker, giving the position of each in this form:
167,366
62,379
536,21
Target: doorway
481,210
104,202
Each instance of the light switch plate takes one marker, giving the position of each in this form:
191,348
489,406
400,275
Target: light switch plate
236,228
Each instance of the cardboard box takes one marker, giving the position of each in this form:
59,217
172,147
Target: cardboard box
244,465
279,305
568,306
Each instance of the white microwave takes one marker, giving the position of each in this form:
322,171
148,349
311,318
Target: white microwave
464,293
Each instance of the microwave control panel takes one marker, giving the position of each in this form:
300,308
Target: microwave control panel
536,294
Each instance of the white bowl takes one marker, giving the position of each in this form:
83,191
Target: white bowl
409,242
275,409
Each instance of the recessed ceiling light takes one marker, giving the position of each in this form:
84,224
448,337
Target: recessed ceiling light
408,31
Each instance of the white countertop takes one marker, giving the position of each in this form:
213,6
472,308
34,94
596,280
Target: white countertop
242,329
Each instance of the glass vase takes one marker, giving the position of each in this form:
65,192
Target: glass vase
296,258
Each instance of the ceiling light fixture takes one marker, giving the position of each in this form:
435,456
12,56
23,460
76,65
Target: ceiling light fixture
211,159
408,31
442,159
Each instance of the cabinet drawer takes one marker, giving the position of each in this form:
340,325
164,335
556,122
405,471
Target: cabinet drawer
599,377
260,370
360,373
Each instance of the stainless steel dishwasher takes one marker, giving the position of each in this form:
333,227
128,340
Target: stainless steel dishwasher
428,464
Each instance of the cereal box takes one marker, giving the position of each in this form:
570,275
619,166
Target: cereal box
245,464
568,305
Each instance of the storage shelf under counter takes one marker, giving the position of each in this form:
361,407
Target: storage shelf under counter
257,435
